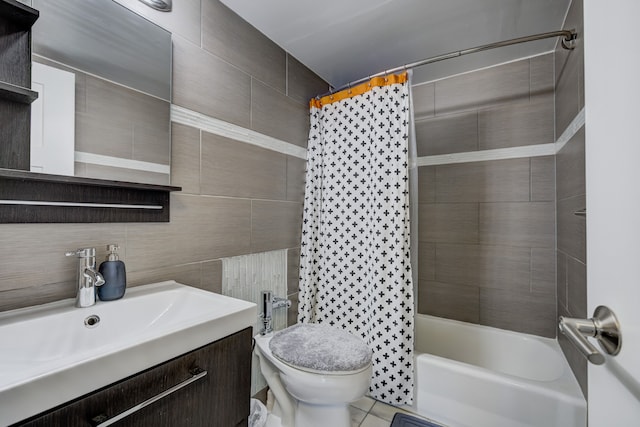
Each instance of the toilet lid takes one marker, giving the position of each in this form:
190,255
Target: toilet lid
320,348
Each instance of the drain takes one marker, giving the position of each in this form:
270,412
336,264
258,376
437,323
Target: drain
92,321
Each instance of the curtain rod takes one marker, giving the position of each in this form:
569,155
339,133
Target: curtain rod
568,42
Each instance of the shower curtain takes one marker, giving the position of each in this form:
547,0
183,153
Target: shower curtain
355,264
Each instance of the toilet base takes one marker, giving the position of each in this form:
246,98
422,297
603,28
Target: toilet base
309,415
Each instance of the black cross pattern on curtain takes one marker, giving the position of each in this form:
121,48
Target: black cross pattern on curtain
355,253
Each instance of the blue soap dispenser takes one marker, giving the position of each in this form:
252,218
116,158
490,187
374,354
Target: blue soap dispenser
115,276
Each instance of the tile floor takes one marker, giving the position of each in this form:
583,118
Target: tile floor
368,412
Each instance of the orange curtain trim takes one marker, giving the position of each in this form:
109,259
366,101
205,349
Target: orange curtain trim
359,90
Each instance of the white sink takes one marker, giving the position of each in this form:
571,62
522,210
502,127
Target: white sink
48,355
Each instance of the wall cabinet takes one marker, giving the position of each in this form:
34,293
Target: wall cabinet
16,95
219,398
43,197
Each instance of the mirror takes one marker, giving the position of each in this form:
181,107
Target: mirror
117,69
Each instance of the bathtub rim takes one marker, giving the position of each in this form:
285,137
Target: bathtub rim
462,323
566,381
431,370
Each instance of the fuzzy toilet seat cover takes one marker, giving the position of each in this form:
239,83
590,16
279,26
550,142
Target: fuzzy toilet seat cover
320,348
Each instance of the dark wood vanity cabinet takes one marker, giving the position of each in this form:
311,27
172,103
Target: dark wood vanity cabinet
218,399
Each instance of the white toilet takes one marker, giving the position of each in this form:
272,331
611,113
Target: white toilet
314,371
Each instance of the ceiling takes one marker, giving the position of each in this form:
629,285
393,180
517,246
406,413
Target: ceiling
345,40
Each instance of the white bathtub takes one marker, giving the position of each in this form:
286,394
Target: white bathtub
476,376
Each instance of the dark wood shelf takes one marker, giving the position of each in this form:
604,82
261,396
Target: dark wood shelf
15,93
19,13
40,198
63,179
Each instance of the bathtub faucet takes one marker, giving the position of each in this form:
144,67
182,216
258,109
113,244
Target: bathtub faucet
269,302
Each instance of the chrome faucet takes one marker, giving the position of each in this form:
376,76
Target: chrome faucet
269,302
87,276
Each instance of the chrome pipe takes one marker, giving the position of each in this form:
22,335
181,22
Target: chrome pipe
568,42
269,302
280,302
266,298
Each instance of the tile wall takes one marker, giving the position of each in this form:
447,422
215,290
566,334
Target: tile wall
115,121
487,228
236,199
570,191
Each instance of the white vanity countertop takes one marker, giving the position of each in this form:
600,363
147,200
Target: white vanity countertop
48,356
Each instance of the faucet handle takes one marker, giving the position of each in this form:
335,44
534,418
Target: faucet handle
82,253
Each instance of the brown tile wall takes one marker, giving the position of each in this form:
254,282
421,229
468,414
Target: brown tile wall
489,260
487,229
570,191
112,120
236,199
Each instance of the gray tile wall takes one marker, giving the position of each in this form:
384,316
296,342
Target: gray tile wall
112,120
570,191
569,71
236,199
487,229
